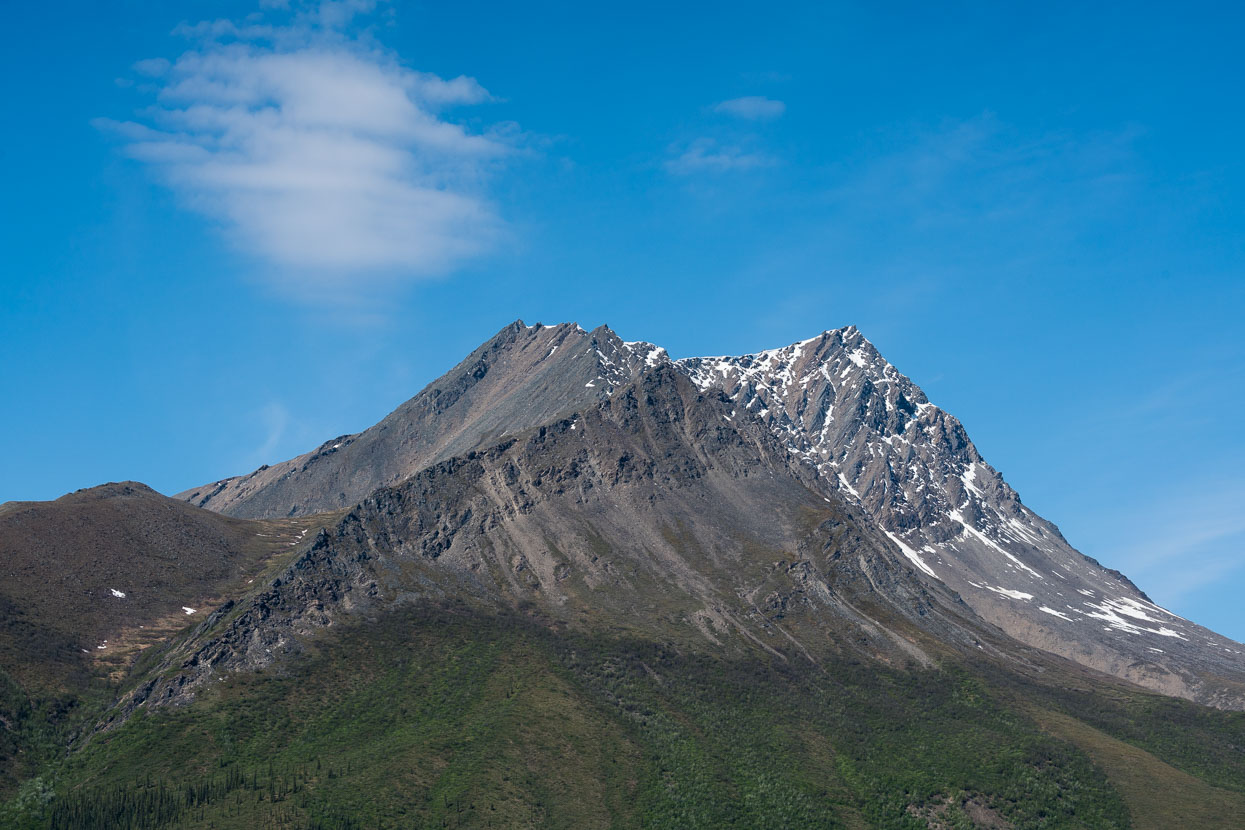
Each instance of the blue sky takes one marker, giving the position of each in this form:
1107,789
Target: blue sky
233,230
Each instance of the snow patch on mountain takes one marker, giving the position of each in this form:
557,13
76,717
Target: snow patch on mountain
838,406
911,554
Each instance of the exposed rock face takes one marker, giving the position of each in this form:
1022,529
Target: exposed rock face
523,377
841,407
849,426
650,511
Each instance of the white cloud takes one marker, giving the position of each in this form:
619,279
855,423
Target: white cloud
1185,538
320,153
152,67
274,419
707,155
978,172
752,108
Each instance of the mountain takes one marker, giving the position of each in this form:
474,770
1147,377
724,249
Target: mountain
837,407
95,577
576,583
846,411
651,511
523,377
98,574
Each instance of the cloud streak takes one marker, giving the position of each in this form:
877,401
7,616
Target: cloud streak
1182,542
320,153
752,108
707,155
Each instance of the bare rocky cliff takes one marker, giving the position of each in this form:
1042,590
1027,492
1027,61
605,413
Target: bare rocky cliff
523,377
651,511
847,422
841,407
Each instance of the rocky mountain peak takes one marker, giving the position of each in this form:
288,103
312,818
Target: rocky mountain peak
523,376
849,424
840,407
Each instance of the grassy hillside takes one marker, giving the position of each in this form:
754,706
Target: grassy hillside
1160,795
96,578
442,719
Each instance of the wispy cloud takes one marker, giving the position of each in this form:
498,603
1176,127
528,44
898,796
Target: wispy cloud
274,420
752,108
1183,542
982,172
152,67
709,155
318,151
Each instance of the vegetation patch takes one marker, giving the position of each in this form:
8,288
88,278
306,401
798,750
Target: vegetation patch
442,718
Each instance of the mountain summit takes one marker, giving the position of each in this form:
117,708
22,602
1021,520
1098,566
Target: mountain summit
868,430
851,427
524,376
577,583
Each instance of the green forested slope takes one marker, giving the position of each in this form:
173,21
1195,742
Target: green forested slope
436,718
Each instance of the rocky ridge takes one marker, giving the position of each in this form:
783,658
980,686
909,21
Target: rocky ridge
523,377
859,429
841,407
649,511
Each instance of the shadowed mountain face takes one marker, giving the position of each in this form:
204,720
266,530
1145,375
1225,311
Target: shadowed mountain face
650,512
854,426
574,583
